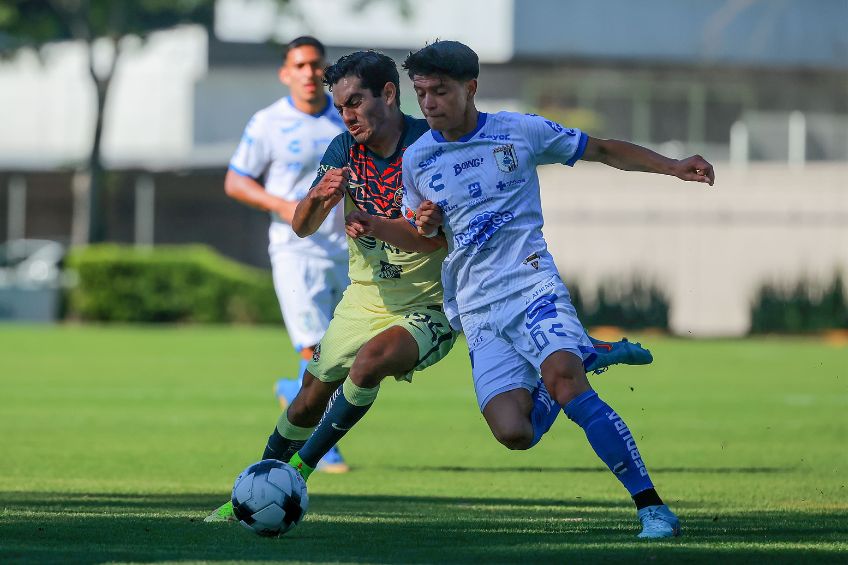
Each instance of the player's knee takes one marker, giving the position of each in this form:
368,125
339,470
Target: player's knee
565,380
514,438
368,369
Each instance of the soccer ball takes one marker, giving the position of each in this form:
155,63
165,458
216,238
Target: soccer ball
269,498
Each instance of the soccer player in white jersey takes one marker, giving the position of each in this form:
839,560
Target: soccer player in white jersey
500,282
272,169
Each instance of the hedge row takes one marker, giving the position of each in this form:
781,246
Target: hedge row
633,304
802,307
168,284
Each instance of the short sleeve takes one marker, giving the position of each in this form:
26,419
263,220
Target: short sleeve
335,157
253,154
411,197
553,142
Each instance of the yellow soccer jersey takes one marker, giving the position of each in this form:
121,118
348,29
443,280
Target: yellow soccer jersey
383,277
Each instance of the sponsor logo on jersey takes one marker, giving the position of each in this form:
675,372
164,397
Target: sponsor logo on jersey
532,260
434,180
465,165
445,206
559,128
288,129
494,136
294,146
538,292
482,227
431,159
509,184
475,190
323,168
389,271
316,353
505,158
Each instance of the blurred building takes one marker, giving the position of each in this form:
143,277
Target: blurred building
752,84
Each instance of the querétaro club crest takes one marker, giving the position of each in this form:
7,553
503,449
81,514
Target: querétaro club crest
505,158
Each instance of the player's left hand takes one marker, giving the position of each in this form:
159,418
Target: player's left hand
695,168
358,224
428,218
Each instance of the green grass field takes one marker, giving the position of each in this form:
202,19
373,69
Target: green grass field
115,442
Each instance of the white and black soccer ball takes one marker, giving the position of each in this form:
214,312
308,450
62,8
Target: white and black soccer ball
269,498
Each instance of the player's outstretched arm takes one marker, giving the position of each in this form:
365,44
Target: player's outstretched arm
314,209
631,157
397,232
247,191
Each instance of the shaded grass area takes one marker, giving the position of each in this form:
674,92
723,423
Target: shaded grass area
93,528
117,441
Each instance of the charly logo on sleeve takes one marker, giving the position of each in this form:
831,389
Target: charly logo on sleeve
505,157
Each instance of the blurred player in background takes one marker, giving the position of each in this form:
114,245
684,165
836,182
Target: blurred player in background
272,169
501,284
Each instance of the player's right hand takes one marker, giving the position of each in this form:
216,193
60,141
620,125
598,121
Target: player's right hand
358,224
330,189
428,218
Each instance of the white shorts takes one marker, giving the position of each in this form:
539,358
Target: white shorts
509,340
308,290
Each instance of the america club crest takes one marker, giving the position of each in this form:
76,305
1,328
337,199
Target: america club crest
505,157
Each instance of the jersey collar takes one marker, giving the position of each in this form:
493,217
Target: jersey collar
326,109
481,121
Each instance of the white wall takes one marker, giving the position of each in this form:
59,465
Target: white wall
47,107
486,25
709,248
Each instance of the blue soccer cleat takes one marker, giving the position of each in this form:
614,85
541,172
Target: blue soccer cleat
285,390
333,462
610,353
658,522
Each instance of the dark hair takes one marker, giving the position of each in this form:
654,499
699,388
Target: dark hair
300,42
373,69
449,58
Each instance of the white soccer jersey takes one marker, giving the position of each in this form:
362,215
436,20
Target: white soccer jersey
487,186
282,147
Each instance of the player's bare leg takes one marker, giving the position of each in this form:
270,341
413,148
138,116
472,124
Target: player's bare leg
508,416
286,391
392,352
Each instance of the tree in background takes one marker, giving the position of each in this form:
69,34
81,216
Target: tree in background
31,24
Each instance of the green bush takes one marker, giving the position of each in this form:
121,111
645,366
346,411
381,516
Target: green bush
633,304
168,284
800,308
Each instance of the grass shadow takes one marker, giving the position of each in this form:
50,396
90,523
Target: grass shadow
104,527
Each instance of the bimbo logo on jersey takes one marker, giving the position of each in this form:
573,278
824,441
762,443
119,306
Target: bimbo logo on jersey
505,158
431,159
482,227
469,164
